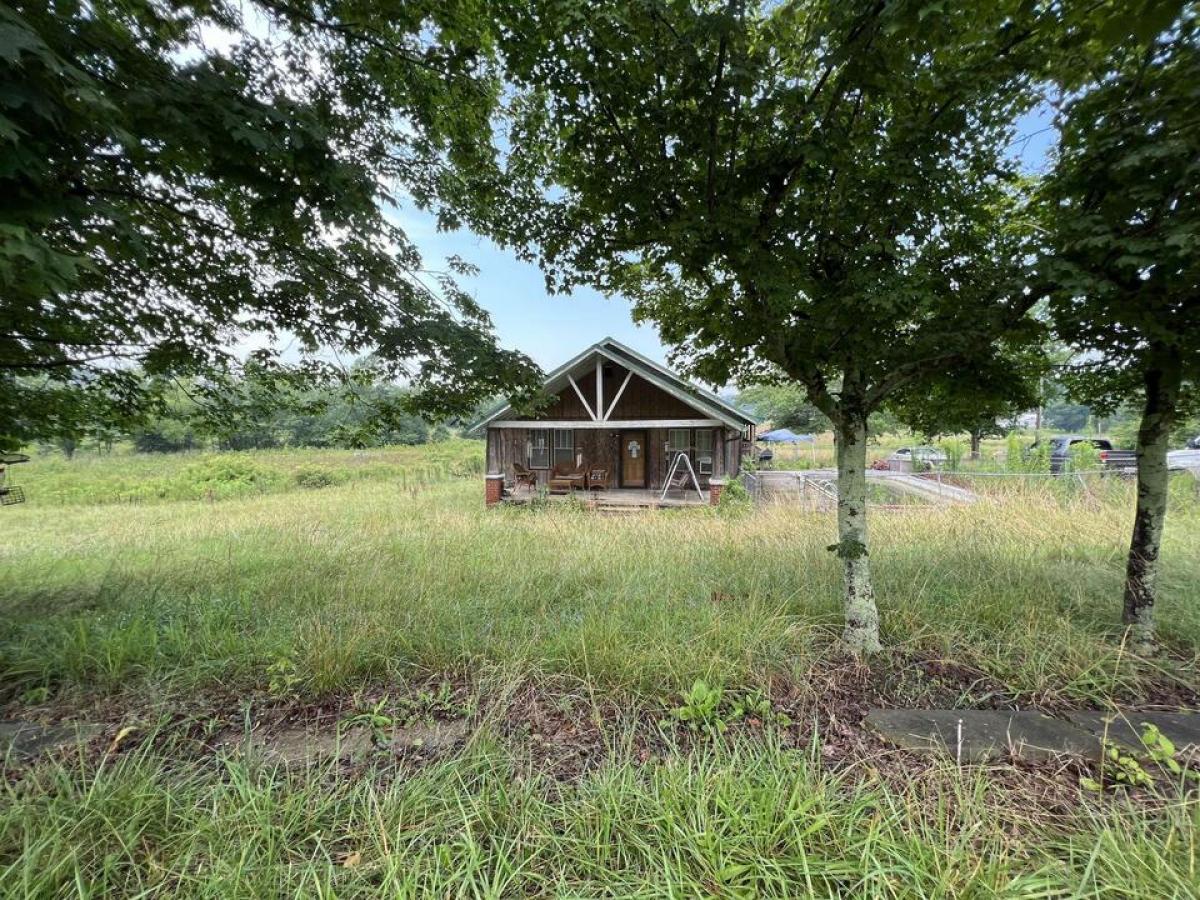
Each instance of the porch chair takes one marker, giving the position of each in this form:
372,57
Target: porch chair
522,475
597,479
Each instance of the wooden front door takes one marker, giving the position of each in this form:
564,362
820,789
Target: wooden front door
633,459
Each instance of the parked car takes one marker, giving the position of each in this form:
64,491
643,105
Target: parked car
919,457
1194,443
1188,458
1060,452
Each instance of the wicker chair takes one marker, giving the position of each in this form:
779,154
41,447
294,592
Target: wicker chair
597,479
522,475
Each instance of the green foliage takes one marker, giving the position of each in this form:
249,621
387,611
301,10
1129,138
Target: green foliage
784,406
1083,457
355,584
1121,215
756,820
818,193
735,499
33,695
1013,448
871,242
314,477
429,705
983,398
711,708
1162,752
254,411
165,199
1068,417
756,705
374,717
1019,457
1120,768
121,477
226,475
283,680
700,708
955,450
154,609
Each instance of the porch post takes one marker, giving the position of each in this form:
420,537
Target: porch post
493,489
715,487
599,390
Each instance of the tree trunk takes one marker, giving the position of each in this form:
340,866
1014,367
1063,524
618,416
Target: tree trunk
976,440
1162,383
862,617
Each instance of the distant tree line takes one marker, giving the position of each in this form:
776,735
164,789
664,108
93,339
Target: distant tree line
249,413
1053,409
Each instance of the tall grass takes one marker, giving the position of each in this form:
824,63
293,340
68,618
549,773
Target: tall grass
746,820
365,580
109,611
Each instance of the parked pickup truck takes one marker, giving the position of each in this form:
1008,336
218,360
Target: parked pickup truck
1112,459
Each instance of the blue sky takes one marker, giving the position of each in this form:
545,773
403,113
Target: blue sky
552,329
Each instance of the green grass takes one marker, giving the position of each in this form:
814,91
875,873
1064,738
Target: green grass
738,821
124,477
161,609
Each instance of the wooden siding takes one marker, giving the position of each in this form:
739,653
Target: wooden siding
640,400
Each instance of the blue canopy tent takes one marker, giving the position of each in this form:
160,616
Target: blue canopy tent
785,436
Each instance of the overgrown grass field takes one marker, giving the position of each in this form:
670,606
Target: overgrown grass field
218,600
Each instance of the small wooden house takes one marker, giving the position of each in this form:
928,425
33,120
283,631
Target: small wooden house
618,419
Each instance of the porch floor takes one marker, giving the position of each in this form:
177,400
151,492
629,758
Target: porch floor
614,498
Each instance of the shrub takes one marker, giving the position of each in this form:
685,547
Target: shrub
1020,459
1012,452
734,497
225,475
955,450
1084,457
314,477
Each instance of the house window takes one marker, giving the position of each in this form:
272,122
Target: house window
704,451
564,447
679,440
539,449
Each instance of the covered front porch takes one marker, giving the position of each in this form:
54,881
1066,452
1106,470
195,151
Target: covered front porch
632,455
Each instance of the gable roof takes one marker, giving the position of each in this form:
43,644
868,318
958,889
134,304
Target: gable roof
705,401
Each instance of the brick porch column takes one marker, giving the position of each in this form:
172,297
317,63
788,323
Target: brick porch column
715,486
493,489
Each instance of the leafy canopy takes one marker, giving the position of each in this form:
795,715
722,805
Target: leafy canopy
812,188
181,177
1122,215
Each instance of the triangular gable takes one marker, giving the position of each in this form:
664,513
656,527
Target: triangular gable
690,387
708,404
